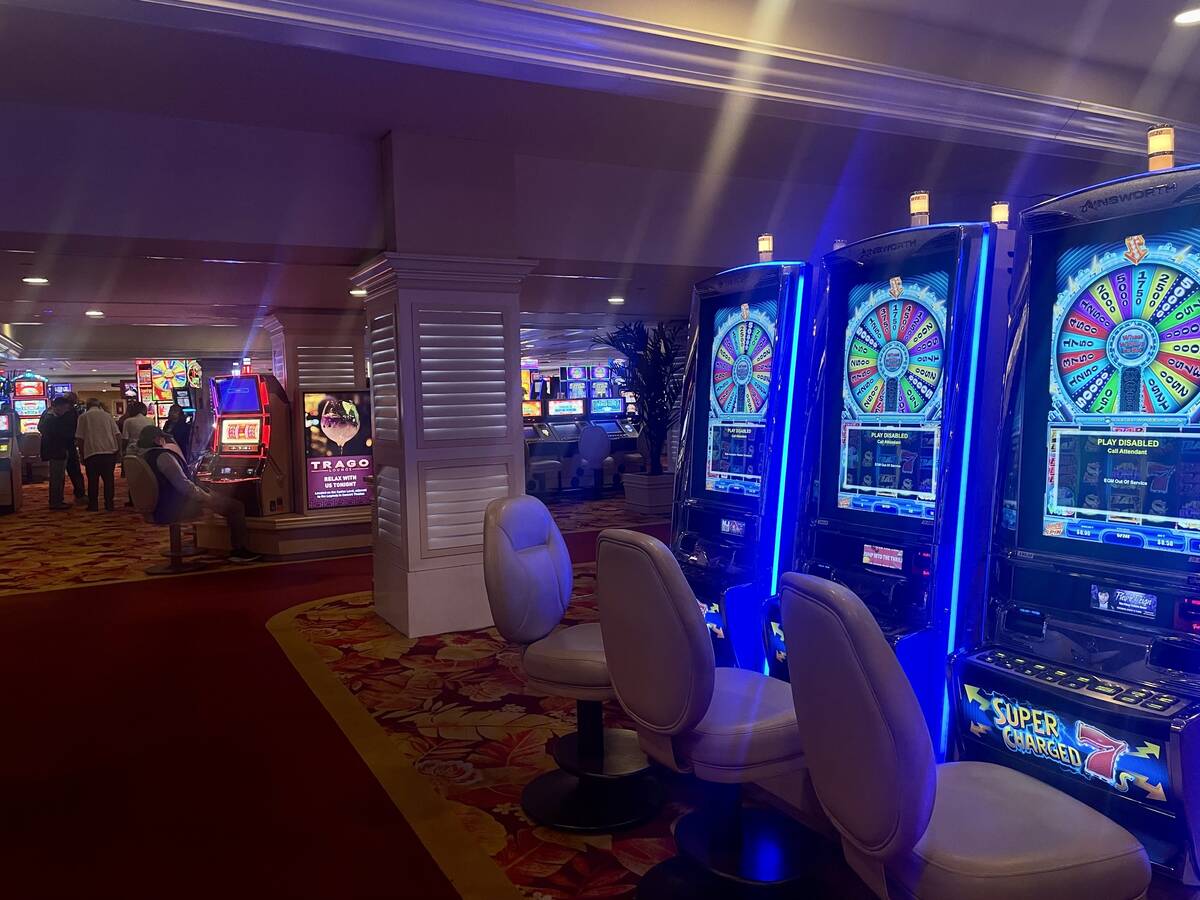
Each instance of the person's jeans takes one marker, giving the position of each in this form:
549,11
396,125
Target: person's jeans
58,481
101,466
76,474
229,508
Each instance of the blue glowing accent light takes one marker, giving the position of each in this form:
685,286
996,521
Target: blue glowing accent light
797,318
981,286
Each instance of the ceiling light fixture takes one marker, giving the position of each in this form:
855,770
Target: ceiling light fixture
615,301
1188,17
94,313
35,279
358,292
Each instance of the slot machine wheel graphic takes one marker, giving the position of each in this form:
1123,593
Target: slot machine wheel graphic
1129,342
895,359
165,376
741,370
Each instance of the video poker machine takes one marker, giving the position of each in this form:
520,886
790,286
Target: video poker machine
734,484
1090,674
10,462
251,455
898,481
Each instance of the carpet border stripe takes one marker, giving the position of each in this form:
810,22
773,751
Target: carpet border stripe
473,873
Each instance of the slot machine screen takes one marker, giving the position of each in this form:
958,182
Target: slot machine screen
600,373
608,406
530,432
1113,372
611,427
241,435
601,389
564,407
238,394
577,390
29,407
577,373
183,397
531,407
883,417
566,431
28,388
5,423
29,426
737,337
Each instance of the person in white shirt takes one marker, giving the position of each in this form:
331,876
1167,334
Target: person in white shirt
99,442
135,421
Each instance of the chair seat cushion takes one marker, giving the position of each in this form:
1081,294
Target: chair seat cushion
996,833
570,657
750,725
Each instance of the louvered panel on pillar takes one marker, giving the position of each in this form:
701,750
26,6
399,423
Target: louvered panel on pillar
389,509
462,376
453,497
385,387
326,368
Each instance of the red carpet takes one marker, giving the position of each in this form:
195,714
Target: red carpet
158,744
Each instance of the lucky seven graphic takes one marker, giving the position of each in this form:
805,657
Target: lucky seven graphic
1077,746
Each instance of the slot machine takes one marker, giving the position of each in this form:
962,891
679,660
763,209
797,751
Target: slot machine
911,332
251,455
1089,673
10,462
29,400
533,421
735,480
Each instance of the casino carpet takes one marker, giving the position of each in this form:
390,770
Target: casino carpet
157,744
455,710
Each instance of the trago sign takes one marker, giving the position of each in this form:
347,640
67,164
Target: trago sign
1125,763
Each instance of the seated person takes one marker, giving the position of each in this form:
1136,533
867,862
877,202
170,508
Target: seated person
180,497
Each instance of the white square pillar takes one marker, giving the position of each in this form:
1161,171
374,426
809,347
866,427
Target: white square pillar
445,345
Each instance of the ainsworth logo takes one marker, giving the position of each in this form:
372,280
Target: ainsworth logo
1125,196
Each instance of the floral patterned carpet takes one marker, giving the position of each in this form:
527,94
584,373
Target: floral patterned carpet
574,514
457,709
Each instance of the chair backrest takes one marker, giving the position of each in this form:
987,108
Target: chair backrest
594,446
659,653
143,486
526,568
864,736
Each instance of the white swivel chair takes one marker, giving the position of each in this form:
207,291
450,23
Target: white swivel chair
595,456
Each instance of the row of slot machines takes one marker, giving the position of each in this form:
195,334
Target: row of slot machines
993,438
552,429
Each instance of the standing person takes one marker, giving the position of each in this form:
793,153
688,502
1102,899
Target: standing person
74,470
180,429
135,420
57,441
98,441
180,497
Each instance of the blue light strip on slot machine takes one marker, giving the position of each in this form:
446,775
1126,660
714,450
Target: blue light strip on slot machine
964,477
787,427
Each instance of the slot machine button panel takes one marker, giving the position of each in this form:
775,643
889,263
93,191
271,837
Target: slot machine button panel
1106,688
1132,698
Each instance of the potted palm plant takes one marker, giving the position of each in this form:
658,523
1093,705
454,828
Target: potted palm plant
650,360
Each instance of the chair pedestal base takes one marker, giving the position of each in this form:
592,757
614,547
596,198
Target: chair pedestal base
622,755
568,802
738,853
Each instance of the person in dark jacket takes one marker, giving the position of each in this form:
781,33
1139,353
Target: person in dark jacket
180,430
74,468
58,437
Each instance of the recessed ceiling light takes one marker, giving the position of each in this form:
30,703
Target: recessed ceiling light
35,279
358,292
616,301
1188,17
93,370
95,314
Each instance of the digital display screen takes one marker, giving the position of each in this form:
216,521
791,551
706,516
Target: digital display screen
29,426
530,432
1123,366
59,388
29,407
1123,600
601,389
237,394
733,527
29,388
531,407
600,372
577,373
564,407
576,390
740,363
610,427
184,398
129,390
566,431
894,350
338,456
241,432
5,423
883,557
608,406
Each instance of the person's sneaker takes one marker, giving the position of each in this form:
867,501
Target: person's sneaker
244,556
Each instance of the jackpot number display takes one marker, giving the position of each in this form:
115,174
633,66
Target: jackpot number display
895,359
741,369
1129,342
